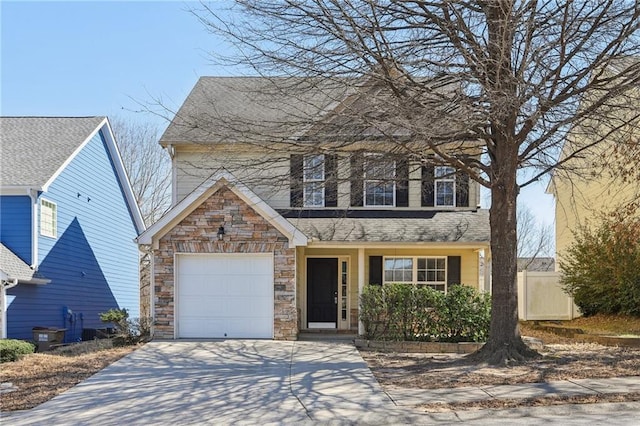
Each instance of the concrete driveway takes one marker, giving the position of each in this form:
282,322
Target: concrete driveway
262,382
218,382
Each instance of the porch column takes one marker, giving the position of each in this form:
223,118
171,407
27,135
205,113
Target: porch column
360,286
487,271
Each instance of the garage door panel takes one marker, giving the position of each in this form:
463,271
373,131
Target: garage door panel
224,296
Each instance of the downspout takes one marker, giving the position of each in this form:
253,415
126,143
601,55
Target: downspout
3,303
34,229
171,150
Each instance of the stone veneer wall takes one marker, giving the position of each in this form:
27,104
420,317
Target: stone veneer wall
246,232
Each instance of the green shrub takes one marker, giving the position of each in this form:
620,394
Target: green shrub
465,315
13,350
601,269
409,312
128,331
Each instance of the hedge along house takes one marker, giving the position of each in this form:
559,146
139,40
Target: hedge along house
278,223
68,220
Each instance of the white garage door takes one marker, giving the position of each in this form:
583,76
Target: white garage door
224,296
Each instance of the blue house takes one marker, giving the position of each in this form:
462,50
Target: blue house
68,219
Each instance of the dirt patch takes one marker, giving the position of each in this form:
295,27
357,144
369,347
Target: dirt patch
37,378
559,362
562,359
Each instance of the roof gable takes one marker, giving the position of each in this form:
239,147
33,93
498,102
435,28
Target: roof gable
203,192
39,147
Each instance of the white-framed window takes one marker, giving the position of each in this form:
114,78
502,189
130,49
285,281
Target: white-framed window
445,186
431,271
379,181
313,178
48,218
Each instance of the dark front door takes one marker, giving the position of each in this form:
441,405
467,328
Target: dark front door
322,292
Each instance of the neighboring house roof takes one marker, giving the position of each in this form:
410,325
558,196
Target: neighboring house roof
35,150
538,264
203,192
13,268
37,147
454,226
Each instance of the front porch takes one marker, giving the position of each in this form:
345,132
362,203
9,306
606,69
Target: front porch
330,278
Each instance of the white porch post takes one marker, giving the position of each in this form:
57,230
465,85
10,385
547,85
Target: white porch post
360,286
487,271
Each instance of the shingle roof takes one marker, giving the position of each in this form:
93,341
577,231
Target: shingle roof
454,226
15,268
228,109
261,109
34,148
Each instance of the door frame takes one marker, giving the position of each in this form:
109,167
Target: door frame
340,324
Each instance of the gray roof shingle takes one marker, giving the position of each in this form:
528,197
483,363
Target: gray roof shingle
263,109
15,268
453,226
246,109
32,149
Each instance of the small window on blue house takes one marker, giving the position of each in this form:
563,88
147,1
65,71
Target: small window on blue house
48,218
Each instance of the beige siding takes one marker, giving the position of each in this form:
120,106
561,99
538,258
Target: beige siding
582,200
268,174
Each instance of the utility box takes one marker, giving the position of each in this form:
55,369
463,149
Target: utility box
45,337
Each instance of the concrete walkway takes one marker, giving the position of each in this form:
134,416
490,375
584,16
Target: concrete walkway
576,387
267,382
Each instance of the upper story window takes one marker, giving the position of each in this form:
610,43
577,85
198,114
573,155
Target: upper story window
48,218
431,271
379,181
313,177
445,186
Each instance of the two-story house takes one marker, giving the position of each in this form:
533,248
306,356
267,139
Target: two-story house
283,210
68,220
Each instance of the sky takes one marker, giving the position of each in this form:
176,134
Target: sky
119,58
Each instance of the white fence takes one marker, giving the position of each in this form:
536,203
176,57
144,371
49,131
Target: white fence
540,297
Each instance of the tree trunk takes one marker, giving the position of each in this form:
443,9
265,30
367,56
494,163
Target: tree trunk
504,344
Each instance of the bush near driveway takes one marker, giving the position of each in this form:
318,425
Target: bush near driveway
419,313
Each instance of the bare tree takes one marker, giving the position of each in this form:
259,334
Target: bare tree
504,90
148,166
534,239
149,169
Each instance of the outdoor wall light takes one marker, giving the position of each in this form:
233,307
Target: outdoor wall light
221,233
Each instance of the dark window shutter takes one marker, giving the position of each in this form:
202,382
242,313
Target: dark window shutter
331,180
296,196
427,186
375,270
357,176
462,189
453,270
402,183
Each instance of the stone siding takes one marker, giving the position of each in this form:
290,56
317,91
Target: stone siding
245,232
